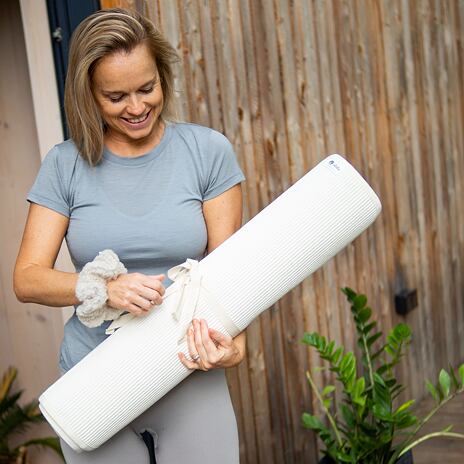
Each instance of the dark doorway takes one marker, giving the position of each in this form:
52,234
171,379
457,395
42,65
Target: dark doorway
64,16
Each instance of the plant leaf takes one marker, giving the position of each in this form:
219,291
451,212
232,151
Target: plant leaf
310,339
445,382
390,351
369,327
8,401
343,457
7,381
378,379
359,301
328,389
327,403
348,416
15,421
402,331
397,391
350,293
453,377
330,347
364,315
311,422
336,355
405,406
406,420
358,390
461,373
378,352
371,340
382,413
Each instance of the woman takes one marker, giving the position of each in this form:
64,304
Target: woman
153,191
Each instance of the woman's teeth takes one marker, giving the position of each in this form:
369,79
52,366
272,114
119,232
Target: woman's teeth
137,120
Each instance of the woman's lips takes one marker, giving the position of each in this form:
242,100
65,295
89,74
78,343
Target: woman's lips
138,125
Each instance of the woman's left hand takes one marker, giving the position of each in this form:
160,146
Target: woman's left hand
210,348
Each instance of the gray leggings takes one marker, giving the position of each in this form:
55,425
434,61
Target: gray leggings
194,423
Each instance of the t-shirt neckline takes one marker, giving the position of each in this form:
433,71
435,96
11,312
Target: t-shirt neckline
140,159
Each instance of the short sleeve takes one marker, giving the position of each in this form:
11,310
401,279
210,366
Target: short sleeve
49,188
222,168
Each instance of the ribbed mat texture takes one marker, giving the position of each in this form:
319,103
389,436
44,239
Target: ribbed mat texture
271,254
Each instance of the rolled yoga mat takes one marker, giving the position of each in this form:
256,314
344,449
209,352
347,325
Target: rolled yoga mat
290,239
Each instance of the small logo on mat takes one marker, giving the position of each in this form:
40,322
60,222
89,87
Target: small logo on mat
334,165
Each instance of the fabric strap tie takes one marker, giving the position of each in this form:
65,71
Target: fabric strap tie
187,286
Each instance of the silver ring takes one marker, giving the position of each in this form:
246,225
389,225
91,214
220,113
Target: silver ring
195,357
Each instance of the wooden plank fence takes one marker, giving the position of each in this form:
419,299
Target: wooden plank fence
290,81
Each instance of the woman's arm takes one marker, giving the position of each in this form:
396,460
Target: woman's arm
34,279
223,216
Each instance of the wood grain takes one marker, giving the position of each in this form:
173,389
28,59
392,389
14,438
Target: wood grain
381,81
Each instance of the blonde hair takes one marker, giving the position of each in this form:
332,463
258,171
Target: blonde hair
99,35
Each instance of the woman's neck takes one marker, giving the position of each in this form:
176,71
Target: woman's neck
123,147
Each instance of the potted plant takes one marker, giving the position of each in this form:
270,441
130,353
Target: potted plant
368,427
15,419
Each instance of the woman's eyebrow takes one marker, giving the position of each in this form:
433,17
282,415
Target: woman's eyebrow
151,81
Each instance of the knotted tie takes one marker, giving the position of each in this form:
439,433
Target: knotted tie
187,287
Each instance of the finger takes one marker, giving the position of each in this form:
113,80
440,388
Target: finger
191,343
222,339
159,287
198,341
143,303
155,276
155,283
139,292
210,347
150,295
156,299
186,362
135,310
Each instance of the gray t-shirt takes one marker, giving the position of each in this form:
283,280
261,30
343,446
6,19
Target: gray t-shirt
147,209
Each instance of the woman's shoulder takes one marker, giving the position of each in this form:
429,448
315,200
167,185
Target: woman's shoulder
65,154
63,158
66,149
62,152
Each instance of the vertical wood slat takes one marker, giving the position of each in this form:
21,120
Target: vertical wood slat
289,81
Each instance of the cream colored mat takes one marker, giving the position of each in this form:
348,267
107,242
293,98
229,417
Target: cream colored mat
291,238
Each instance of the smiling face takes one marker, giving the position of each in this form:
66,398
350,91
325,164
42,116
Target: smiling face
128,93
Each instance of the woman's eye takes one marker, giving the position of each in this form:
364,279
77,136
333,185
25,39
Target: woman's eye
118,99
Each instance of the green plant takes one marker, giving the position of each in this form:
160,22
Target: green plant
15,419
368,427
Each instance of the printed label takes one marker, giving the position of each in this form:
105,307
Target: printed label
334,165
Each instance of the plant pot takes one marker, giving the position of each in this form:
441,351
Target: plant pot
405,459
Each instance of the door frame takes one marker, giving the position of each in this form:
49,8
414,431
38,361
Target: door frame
45,97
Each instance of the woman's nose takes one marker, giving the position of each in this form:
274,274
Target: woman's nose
135,106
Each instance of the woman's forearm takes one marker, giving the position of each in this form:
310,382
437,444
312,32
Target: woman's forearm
49,287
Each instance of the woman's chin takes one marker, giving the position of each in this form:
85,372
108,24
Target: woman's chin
120,130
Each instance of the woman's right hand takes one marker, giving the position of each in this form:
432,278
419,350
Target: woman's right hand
136,293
